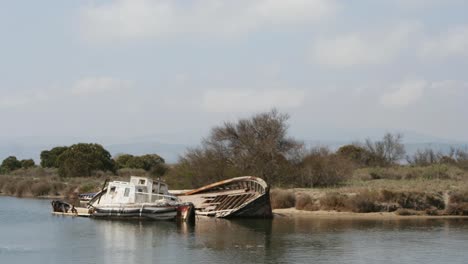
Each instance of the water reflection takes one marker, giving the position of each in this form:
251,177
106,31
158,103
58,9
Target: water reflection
38,237
268,241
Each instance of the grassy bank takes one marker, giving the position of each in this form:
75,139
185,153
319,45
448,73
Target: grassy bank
430,190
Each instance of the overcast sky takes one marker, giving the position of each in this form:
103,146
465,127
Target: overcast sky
172,69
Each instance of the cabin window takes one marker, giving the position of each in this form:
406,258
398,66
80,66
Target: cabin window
142,182
140,190
127,192
112,189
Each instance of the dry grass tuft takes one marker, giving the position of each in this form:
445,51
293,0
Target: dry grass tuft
41,188
282,198
23,188
364,202
305,202
333,201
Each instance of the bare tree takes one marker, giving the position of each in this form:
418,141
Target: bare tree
387,151
425,157
321,167
257,146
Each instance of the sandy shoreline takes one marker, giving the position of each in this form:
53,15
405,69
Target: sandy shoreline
292,213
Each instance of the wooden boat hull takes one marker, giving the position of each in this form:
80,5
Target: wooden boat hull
246,197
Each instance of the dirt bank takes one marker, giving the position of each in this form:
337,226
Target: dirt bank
292,212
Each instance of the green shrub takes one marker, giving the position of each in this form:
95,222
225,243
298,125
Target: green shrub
10,164
82,159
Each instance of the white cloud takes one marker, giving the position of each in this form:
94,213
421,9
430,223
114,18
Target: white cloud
251,100
404,94
95,85
21,99
358,48
139,19
454,42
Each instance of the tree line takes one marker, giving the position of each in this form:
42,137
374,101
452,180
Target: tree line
83,159
258,146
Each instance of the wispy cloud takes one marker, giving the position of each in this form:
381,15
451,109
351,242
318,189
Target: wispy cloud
363,48
454,42
140,19
251,100
24,98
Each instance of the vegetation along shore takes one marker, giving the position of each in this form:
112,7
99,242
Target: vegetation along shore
373,176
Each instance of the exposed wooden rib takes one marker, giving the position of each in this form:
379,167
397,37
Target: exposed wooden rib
232,198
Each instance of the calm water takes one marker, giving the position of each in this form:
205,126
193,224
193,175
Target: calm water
30,234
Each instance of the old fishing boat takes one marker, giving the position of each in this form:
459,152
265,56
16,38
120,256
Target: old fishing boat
245,196
140,198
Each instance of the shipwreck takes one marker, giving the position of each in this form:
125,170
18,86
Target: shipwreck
246,196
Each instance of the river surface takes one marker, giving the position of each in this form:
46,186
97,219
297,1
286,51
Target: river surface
29,233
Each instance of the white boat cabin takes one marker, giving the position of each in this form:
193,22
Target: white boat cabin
138,190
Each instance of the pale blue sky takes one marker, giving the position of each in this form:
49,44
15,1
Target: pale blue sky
121,69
